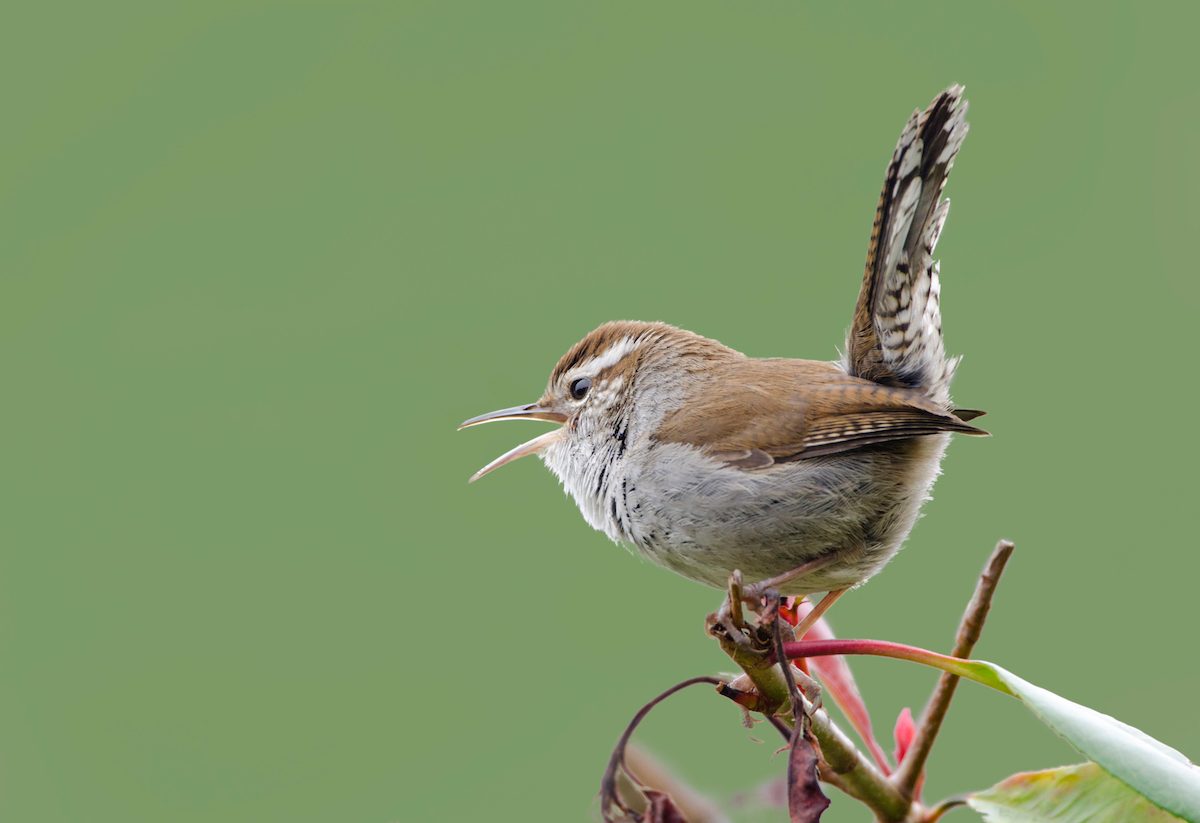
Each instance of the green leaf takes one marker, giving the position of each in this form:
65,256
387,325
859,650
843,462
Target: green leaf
1154,769
1073,794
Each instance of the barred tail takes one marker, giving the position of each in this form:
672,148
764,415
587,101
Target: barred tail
896,336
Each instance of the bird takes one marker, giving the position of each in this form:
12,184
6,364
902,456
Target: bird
802,475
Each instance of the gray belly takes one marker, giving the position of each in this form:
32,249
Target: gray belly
703,519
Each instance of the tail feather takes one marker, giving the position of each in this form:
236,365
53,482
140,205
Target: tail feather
896,336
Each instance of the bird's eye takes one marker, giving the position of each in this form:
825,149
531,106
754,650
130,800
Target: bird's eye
580,386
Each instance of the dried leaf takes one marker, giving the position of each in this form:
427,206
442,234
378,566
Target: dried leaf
661,808
806,801
612,807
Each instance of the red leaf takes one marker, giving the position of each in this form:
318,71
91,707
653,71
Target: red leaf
835,675
612,807
806,801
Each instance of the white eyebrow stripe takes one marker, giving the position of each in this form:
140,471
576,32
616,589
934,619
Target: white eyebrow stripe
610,356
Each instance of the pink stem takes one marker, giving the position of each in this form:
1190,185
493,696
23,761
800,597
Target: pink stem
885,648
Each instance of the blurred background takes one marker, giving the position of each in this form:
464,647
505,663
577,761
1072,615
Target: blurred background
259,259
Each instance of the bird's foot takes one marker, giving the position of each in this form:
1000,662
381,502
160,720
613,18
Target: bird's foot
729,620
751,636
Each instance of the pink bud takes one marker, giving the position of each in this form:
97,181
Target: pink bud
904,732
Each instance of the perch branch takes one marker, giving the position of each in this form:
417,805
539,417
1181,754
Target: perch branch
755,650
849,769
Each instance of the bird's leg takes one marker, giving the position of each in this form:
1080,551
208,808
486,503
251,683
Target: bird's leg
818,610
730,619
755,594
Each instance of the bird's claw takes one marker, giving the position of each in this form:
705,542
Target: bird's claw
730,622
728,619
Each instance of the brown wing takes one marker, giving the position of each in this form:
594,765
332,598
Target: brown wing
851,431
754,413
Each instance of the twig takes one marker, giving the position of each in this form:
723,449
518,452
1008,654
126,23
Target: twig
608,784
908,773
806,801
785,666
785,731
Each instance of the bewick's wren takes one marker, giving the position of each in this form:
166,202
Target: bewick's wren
709,461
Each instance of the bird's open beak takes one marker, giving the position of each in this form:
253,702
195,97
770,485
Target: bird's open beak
531,412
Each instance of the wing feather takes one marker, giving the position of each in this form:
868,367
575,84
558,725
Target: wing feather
769,412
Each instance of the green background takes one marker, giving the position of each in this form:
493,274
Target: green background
259,259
